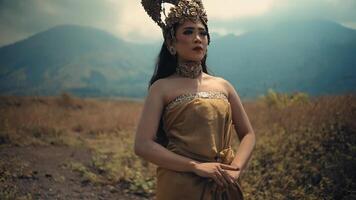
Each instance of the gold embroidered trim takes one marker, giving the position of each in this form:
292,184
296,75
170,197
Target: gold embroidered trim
201,94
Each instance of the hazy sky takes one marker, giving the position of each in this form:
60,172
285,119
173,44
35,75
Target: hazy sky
127,19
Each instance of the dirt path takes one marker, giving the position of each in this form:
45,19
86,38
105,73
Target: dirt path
43,172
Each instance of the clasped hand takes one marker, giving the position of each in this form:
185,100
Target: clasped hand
224,175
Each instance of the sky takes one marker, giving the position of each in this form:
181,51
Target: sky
127,19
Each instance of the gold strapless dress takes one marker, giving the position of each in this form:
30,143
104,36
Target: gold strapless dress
199,126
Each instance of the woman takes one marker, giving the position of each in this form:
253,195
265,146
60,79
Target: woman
186,124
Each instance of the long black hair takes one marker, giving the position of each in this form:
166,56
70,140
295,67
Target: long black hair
165,66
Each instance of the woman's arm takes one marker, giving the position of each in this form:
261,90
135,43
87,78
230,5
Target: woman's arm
243,129
145,146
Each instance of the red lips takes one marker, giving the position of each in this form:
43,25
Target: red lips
198,48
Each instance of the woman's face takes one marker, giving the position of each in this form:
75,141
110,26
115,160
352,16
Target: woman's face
192,41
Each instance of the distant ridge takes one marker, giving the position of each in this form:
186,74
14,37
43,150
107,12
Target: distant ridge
314,56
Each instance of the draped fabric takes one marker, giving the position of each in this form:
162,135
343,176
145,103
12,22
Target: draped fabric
199,126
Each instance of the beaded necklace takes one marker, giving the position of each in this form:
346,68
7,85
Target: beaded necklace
189,69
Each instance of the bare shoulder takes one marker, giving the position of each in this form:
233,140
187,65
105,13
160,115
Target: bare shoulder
229,88
157,89
225,85
165,89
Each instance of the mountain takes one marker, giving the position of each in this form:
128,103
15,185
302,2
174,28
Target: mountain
314,56
77,59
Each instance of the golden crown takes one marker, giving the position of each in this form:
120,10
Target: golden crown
181,11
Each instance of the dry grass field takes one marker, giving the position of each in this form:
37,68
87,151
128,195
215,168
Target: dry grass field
71,148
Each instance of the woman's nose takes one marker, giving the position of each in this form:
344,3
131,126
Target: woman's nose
197,38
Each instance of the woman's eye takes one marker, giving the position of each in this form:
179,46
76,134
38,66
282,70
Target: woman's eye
187,32
204,33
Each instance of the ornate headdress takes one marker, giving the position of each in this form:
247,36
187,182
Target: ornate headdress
181,11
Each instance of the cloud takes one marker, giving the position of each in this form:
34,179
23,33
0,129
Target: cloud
284,10
134,24
233,9
128,20
21,19
333,9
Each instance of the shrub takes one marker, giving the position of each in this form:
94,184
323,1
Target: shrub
281,100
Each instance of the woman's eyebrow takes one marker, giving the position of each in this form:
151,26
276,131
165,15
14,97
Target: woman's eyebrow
192,28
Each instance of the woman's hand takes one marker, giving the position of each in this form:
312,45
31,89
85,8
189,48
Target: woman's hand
231,175
221,173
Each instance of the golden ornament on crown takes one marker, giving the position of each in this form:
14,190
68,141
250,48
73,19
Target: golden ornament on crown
181,11
192,10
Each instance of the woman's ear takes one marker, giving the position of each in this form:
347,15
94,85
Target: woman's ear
171,47
169,43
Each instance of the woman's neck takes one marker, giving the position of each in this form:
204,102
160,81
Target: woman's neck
190,69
